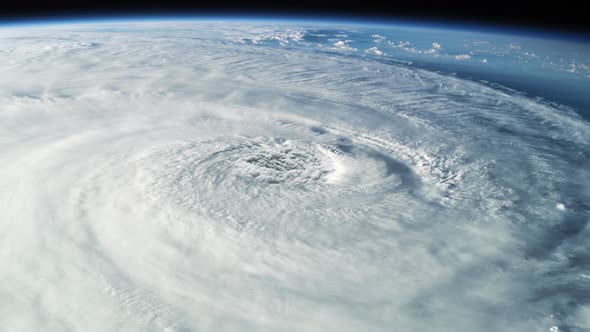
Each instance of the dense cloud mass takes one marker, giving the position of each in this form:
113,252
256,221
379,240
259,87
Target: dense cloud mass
175,178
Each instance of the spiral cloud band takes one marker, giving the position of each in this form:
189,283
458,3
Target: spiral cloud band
181,179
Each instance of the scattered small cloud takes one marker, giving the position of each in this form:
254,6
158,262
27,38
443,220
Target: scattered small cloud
374,50
378,38
344,45
515,46
462,57
529,54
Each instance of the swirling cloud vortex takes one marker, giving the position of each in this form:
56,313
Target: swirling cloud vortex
174,179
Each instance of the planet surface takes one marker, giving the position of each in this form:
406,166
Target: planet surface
258,175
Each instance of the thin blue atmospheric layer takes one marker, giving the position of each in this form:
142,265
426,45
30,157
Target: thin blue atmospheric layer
291,18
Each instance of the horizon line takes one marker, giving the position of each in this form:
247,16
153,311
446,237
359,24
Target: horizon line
371,20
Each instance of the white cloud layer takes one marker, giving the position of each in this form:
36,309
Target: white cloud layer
169,177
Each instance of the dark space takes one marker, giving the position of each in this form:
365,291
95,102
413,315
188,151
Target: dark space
563,16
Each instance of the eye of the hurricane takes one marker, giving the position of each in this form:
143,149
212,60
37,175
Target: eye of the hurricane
284,161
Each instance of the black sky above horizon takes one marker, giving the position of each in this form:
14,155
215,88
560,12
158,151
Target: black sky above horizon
567,17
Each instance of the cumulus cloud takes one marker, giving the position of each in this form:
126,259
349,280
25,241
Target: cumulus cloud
378,38
462,56
374,50
344,45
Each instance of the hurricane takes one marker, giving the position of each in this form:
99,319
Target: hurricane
208,176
